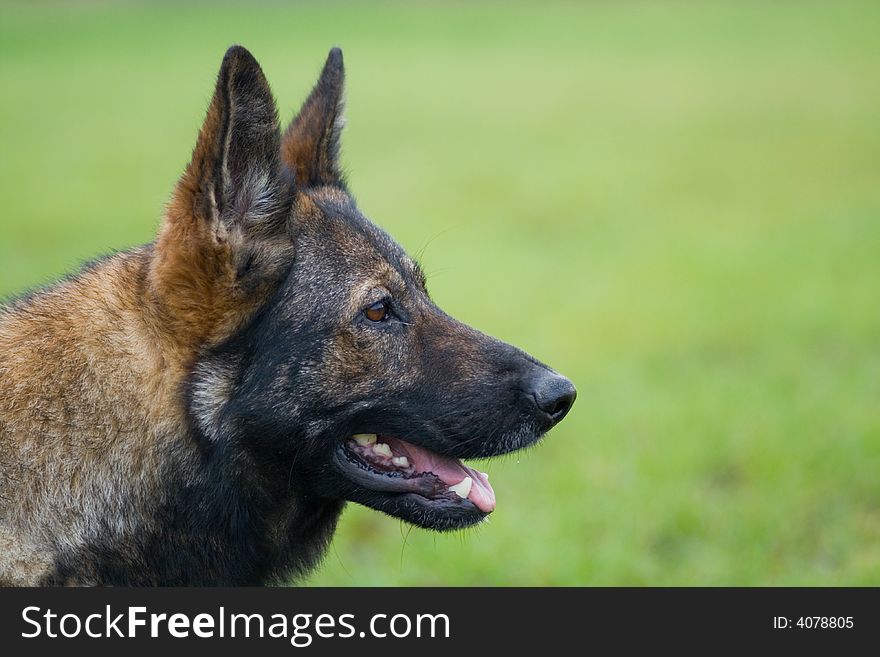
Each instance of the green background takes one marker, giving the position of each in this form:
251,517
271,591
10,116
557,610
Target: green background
675,204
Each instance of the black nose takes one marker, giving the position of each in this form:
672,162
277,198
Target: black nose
553,394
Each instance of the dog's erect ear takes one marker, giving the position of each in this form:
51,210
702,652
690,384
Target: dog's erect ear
310,147
235,174
224,242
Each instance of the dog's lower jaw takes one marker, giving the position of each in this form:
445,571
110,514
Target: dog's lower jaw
428,509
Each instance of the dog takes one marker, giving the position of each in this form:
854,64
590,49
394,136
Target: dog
197,411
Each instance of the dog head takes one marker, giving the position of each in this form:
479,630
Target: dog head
320,351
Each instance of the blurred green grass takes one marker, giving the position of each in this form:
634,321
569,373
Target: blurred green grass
675,204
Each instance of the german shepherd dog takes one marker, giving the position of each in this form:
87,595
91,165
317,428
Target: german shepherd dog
196,411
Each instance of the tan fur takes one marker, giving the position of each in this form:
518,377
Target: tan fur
92,371
92,374
78,362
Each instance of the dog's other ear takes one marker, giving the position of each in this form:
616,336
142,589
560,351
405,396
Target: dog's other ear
310,146
235,175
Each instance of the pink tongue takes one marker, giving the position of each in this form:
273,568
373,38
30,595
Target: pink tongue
450,471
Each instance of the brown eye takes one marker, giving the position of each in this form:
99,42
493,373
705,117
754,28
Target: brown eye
378,312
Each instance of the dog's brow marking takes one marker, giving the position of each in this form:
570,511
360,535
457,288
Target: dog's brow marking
373,283
395,277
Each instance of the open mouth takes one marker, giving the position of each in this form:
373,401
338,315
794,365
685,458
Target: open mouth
384,464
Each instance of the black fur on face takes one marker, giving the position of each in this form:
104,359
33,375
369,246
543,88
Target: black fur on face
351,344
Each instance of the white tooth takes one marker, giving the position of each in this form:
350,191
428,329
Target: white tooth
382,449
463,487
364,439
400,461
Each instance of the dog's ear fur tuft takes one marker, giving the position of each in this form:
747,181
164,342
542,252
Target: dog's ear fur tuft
235,175
310,146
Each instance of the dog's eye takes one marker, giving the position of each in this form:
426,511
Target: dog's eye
378,312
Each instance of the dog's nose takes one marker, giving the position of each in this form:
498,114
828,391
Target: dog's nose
553,394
